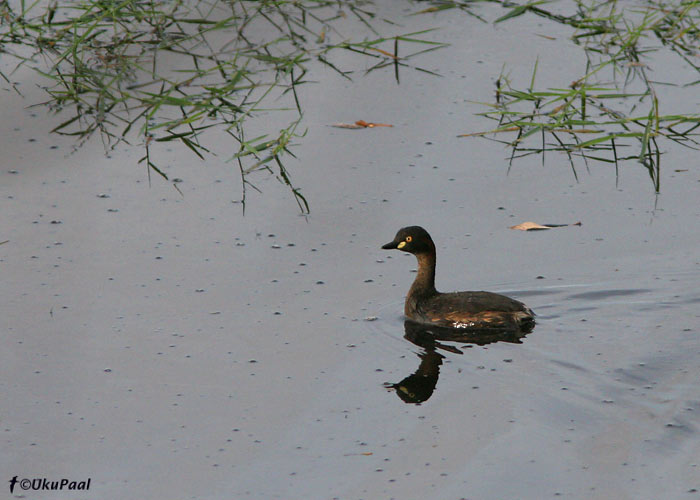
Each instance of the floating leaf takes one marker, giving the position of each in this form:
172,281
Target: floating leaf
346,125
360,124
529,226
363,123
534,226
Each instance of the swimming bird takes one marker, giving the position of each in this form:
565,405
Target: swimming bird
474,310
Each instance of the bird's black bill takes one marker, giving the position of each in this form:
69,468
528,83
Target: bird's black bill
391,246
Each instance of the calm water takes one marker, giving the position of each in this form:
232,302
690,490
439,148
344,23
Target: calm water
164,346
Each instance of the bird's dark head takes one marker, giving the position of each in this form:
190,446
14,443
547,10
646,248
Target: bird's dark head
412,239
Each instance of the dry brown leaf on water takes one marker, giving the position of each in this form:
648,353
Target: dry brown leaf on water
360,124
346,125
529,226
363,123
534,226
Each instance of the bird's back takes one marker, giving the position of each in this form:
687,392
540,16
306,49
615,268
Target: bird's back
471,310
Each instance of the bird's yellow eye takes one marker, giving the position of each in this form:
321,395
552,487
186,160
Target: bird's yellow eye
409,239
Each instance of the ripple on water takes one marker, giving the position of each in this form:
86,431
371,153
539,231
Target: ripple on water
606,294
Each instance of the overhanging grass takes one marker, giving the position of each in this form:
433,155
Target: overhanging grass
619,41
228,62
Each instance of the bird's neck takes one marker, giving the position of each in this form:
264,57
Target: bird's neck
424,284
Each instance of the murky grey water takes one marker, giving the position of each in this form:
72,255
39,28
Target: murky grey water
167,347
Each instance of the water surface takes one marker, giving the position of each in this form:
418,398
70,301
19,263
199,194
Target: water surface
167,347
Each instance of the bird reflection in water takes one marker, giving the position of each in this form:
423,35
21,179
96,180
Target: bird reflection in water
419,386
